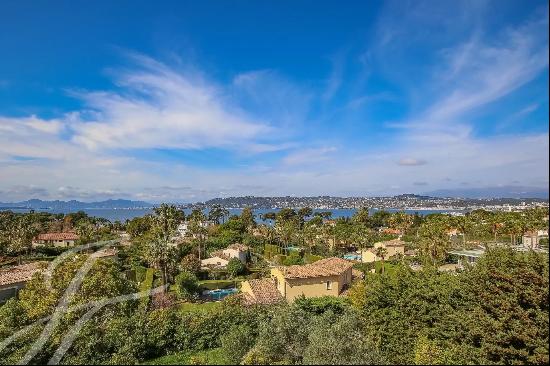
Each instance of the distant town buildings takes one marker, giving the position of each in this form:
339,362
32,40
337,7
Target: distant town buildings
400,202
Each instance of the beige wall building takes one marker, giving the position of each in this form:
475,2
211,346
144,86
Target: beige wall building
220,258
393,247
326,277
55,239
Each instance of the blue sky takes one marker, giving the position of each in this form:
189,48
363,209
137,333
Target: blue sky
183,101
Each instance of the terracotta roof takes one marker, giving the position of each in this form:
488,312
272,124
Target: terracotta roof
21,273
393,243
57,236
237,246
264,291
321,268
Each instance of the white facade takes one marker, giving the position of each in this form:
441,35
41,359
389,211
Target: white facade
215,262
235,253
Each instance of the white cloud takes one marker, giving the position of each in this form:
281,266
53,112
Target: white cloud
158,107
411,162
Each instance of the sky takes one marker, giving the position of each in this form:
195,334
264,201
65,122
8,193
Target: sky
188,100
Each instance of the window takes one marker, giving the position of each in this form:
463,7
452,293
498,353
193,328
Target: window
329,285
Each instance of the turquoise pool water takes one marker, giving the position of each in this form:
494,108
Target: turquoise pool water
220,293
352,257
293,248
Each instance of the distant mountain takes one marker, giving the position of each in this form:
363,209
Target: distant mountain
492,192
75,205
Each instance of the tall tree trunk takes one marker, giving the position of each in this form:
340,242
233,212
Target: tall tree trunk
163,277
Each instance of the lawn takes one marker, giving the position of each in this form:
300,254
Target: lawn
216,284
198,307
388,267
207,357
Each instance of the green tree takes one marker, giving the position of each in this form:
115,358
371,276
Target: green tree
339,340
248,218
161,256
501,315
187,285
361,216
190,263
433,239
235,267
236,342
166,220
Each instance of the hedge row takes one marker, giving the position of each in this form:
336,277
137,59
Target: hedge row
147,284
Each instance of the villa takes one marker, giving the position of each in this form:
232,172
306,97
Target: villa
183,229
326,277
14,279
471,256
467,256
531,239
393,247
221,258
56,239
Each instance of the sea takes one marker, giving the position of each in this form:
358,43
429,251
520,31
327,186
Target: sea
123,214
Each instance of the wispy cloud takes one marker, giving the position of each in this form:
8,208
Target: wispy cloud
159,107
308,156
411,162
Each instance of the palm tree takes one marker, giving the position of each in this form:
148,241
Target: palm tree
400,221
462,223
160,256
216,214
166,219
433,239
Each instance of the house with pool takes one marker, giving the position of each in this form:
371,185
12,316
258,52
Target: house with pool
326,277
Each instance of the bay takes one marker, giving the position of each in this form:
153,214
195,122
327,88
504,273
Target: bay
121,214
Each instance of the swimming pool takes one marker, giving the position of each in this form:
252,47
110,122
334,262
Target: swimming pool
220,293
352,257
293,248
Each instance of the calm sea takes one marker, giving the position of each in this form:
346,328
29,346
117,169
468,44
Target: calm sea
127,214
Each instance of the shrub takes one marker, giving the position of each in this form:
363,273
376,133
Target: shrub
237,342
293,258
235,267
187,285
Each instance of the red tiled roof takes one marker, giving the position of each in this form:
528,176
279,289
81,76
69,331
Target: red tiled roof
21,273
264,291
236,246
321,268
393,243
57,236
